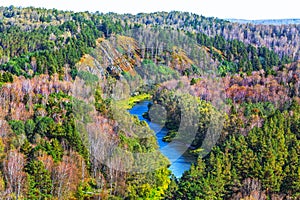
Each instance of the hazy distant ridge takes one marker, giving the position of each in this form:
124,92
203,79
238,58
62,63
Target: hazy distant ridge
267,21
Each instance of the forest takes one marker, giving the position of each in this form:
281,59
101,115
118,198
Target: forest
67,80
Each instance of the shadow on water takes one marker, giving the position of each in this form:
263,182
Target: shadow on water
179,163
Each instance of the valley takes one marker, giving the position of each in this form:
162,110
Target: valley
162,105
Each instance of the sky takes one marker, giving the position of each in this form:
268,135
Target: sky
225,9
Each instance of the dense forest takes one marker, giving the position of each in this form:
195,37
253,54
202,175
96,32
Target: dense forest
67,80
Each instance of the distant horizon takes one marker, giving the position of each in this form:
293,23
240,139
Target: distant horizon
160,11
242,19
230,9
262,19
266,21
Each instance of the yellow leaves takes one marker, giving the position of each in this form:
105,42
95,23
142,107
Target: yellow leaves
99,40
127,43
2,183
180,55
249,198
218,51
208,50
197,151
86,59
180,60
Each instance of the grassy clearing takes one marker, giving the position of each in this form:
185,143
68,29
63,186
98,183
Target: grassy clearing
129,103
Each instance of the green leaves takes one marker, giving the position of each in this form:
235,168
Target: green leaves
17,126
29,129
89,78
40,183
44,126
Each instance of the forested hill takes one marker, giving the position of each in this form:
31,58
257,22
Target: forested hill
283,38
67,80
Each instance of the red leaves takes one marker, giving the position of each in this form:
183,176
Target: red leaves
12,95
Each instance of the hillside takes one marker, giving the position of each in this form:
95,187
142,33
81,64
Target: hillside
229,92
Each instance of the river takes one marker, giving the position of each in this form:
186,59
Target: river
179,162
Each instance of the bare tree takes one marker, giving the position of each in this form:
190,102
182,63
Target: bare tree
14,174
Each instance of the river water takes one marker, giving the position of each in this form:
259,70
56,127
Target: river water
179,162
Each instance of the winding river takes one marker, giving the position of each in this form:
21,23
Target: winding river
179,163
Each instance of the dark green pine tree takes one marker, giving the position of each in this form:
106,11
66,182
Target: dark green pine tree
195,184
39,181
274,153
29,130
291,182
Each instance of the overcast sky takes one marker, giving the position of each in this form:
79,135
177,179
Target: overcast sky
240,9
